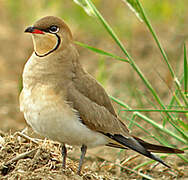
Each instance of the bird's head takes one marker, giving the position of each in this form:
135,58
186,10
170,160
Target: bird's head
49,34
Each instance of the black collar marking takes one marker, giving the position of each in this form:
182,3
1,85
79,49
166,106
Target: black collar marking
57,45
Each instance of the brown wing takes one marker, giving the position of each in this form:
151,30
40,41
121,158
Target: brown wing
90,88
95,116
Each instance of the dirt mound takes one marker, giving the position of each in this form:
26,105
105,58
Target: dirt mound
26,158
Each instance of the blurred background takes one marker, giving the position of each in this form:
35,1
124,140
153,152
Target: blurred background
169,18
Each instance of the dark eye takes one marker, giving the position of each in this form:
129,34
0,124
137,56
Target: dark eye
53,29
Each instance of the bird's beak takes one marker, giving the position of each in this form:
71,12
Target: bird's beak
33,30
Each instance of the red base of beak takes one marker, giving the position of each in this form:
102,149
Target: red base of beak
37,31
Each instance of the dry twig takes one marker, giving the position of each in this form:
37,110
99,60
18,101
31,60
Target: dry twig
27,137
21,156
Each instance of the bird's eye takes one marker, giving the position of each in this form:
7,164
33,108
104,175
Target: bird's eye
53,29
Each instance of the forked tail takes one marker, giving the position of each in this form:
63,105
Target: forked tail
142,147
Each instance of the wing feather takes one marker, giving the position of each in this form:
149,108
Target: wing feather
96,115
92,89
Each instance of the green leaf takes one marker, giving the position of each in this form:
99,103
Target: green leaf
133,5
146,163
156,110
101,52
185,72
85,6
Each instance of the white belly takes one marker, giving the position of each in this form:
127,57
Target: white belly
51,117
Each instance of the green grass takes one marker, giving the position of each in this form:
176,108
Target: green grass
173,118
185,72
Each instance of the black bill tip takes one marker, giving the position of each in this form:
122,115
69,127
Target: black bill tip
29,29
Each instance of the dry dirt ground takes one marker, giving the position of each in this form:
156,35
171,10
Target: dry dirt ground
27,158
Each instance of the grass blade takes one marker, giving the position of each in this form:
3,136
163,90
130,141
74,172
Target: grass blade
146,163
185,72
101,52
156,110
133,5
178,85
85,6
148,24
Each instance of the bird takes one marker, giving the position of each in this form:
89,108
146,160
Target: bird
60,100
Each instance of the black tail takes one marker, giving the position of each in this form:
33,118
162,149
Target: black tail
157,148
138,145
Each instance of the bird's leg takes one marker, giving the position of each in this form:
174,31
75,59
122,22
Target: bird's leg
64,155
83,150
